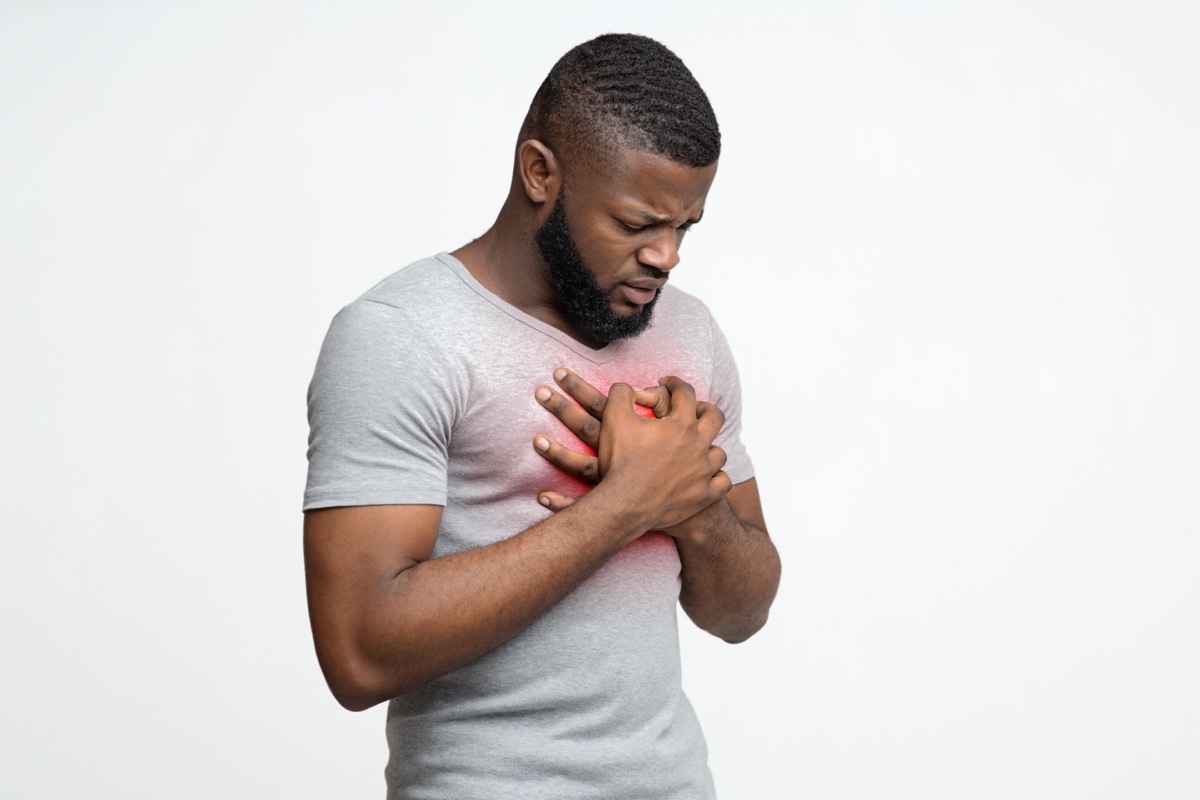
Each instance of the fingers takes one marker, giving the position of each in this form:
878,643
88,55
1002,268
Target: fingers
682,396
588,396
711,419
578,420
569,461
651,403
555,501
622,396
655,398
720,485
672,395
717,458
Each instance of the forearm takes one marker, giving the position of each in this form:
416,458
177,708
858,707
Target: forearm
443,613
730,573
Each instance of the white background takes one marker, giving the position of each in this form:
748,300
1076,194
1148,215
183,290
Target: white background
954,247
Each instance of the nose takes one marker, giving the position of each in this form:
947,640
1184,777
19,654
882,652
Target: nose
663,252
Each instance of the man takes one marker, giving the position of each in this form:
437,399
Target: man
461,564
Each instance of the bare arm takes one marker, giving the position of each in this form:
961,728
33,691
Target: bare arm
387,618
731,568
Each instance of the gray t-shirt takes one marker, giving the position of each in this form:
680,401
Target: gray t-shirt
423,393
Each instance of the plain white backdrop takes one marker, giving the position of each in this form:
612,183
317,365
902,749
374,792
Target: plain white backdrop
954,247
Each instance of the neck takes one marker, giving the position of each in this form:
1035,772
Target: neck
506,260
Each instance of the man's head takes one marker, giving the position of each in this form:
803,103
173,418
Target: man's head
634,142
622,91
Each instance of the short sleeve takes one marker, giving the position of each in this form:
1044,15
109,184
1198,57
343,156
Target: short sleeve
380,412
725,392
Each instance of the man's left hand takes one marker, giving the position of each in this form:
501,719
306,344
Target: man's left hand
582,418
729,567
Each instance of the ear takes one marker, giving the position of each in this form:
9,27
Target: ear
539,170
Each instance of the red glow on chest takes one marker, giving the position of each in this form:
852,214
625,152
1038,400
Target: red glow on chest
644,411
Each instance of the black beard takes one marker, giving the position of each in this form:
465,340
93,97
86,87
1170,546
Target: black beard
587,303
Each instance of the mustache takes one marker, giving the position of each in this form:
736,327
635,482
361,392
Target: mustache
654,273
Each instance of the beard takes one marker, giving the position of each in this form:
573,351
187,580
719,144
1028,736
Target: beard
586,302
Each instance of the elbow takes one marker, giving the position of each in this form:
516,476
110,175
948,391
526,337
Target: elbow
353,698
733,628
742,632
357,684
363,669
351,685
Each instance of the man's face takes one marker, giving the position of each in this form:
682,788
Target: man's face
626,223
586,302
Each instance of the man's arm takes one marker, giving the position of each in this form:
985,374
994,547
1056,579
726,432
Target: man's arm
387,618
730,567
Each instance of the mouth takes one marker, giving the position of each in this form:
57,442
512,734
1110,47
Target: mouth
641,292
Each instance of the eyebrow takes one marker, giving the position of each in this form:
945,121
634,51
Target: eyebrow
654,219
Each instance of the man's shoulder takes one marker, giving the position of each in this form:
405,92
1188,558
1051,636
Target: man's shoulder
682,320
410,307
417,285
422,296
682,312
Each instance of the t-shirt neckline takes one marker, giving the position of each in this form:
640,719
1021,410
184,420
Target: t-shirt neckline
601,356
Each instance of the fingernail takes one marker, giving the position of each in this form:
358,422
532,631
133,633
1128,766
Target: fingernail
559,374
542,443
542,394
544,501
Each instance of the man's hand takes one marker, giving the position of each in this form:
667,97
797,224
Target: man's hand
730,568
583,419
657,439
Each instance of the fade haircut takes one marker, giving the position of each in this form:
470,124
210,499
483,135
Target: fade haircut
623,91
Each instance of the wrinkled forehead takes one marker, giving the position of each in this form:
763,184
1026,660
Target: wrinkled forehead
637,171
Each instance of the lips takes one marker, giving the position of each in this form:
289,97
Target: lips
642,292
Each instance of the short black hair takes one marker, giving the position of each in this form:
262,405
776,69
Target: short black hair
622,90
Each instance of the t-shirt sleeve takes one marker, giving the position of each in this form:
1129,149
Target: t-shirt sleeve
726,394
380,413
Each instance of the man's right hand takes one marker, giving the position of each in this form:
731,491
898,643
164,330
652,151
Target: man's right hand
666,466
